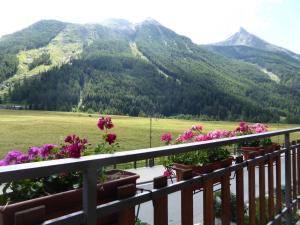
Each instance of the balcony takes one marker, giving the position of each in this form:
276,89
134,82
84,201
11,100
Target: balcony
257,181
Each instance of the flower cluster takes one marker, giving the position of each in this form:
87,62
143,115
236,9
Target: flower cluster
194,134
74,146
108,142
245,128
16,157
105,122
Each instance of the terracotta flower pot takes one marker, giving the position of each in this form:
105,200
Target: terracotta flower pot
55,205
248,151
199,170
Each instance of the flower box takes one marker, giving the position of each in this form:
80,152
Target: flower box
63,203
246,151
199,170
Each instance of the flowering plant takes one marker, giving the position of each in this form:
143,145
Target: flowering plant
194,134
245,129
108,142
31,188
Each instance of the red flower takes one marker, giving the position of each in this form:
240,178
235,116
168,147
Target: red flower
105,123
110,138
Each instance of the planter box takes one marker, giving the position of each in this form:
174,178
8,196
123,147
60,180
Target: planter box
247,151
55,205
199,170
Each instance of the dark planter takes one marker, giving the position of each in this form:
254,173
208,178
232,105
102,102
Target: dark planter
248,151
199,170
56,205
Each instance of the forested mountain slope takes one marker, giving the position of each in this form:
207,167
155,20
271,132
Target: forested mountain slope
120,68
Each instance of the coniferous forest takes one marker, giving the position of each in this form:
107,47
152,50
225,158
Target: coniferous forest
145,70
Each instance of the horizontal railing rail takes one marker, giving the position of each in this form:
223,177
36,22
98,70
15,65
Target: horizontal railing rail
89,165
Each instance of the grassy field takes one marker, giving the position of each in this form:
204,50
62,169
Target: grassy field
22,129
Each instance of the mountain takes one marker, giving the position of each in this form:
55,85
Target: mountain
117,67
244,38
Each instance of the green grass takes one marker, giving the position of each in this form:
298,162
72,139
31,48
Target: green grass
22,129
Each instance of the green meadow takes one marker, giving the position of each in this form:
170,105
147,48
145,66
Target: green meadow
22,129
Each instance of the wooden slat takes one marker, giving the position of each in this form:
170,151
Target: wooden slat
208,208
278,185
225,195
251,188
160,204
126,216
271,189
240,194
294,175
262,194
187,201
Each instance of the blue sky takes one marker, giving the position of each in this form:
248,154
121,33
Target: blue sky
204,21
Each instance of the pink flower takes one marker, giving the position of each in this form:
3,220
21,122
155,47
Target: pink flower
259,128
166,138
168,173
187,135
197,128
202,137
110,138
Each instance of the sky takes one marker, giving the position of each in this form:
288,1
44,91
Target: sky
204,21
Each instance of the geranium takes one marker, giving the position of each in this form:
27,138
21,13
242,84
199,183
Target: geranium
105,122
110,138
108,142
46,150
167,138
13,157
244,129
74,146
197,128
34,152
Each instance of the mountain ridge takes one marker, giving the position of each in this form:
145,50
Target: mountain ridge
150,70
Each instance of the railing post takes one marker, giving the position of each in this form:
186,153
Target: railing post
240,193
287,177
251,189
89,197
187,201
160,204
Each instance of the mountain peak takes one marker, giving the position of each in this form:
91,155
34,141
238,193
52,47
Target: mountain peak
120,24
243,30
150,20
244,38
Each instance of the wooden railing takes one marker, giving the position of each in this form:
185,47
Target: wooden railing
273,209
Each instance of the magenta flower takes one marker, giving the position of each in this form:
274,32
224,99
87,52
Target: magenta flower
110,138
105,122
34,152
168,173
13,157
46,150
187,135
73,148
3,163
166,138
